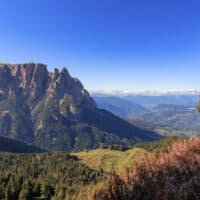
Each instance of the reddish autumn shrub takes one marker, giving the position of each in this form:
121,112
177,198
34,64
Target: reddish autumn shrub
174,175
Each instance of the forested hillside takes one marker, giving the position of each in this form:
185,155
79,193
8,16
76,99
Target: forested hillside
9,145
63,176
112,172
43,176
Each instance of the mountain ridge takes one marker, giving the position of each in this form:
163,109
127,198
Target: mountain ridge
54,111
119,106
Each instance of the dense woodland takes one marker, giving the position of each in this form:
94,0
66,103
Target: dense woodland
43,176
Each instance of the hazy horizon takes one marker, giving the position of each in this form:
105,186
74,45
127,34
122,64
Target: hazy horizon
145,92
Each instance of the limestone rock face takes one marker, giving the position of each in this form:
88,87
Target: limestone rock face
54,111
37,83
32,86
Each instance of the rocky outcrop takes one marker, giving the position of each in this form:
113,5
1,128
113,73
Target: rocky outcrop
32,86
36,83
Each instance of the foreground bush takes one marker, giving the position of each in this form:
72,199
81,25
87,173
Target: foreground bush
174,175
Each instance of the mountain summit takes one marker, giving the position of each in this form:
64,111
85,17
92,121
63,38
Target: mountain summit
54,111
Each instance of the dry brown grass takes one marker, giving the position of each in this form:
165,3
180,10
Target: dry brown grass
174,175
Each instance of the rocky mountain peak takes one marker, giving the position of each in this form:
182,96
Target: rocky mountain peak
38,83
54,111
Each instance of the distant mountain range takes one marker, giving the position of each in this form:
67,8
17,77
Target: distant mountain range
145,92
153,101
168,114
53,111
171,120
149,100
119,106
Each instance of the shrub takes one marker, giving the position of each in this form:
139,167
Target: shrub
174,175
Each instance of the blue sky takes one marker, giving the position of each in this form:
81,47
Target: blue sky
107,44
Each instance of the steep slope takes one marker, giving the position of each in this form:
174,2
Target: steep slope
54,111
107,121
119,106
9,145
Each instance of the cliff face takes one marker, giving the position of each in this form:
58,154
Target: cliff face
37,83
51,110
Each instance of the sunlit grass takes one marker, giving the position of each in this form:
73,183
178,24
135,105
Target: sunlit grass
110,160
